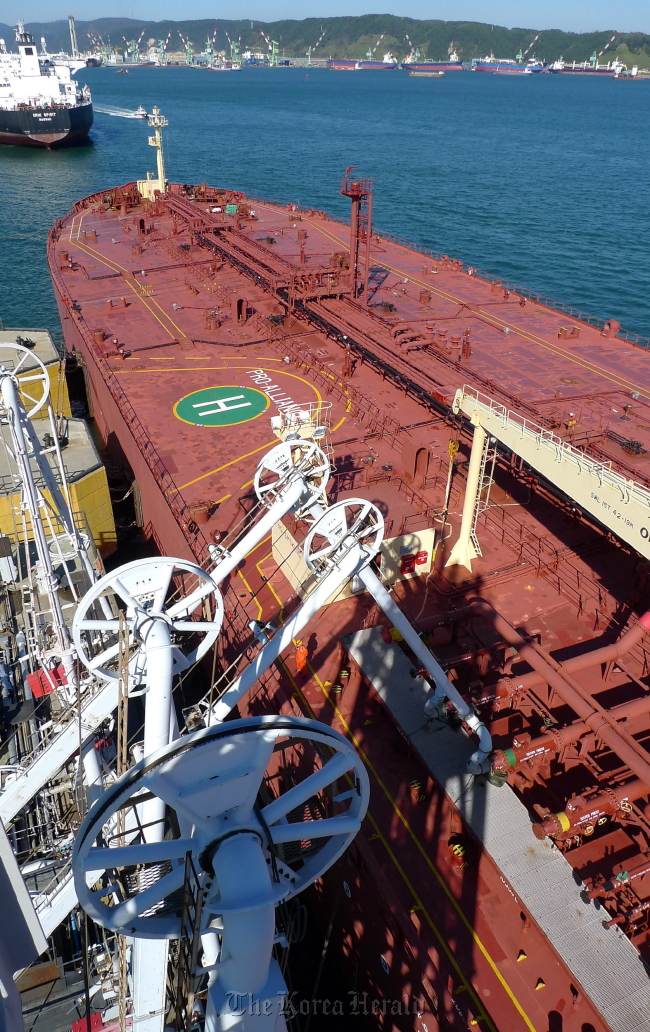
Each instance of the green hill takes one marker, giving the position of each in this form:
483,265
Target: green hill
352,36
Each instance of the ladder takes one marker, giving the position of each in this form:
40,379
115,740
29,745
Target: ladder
485,482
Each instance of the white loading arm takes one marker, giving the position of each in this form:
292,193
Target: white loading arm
321,546
342,541
32,398
156,631
14,413
168,630
234,841
292,477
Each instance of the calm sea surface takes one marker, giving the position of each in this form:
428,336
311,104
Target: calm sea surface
543,180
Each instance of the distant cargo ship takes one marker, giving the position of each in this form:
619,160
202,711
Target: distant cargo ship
368,64
40,103
591,67
452,64
495,64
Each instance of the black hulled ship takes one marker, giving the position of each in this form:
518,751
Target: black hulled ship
41,105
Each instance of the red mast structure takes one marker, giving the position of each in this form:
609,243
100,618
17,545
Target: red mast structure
360,193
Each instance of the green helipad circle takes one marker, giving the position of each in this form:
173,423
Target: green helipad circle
221,406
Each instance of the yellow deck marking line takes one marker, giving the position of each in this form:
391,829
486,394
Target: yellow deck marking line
172,369
419,846
224,499
466,984
226,465
298,693
74,217
423,852
161,358
272,590
253,596
141,297
501,323
116,267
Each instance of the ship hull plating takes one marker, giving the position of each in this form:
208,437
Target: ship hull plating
44,127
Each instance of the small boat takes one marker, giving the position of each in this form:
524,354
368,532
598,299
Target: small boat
140,112
122,71
426,75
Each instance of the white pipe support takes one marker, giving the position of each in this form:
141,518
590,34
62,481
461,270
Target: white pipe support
157,644
259,531
92,771
463,551
478,763
248,933
283,638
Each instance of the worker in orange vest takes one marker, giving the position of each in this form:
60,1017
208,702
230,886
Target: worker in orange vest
302,655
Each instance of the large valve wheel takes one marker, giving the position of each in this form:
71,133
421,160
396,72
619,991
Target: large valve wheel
141,589
33,384
345,524
295,787
287,461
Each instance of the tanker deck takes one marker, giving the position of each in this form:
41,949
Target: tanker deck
204,319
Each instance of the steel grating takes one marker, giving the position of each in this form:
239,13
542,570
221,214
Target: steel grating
602,960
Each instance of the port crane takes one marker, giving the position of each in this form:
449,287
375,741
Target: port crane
370,52
188,47
594,57
273,47
414,52
97,43
318,42
210,43
521,57
235,51
160,48
105,50
133,46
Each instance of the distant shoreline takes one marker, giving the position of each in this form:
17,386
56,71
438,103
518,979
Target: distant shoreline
348,37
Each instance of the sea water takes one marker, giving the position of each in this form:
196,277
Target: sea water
541,179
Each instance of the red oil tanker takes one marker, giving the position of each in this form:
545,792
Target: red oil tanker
505,439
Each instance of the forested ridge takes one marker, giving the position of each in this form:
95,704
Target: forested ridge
352,37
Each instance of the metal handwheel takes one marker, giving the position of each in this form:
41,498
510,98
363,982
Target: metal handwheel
350,522
141,588
287,793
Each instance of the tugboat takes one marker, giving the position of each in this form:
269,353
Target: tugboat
140,112
40,103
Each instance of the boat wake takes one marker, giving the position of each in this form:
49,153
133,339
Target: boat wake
116,112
